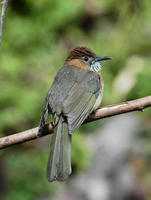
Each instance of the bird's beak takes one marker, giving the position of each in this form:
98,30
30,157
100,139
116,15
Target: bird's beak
97,59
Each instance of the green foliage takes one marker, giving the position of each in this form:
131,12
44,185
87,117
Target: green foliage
143,81
27,175
81,154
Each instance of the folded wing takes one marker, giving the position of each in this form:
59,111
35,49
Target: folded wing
77,106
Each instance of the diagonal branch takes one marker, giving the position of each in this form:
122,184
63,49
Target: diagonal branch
107,111
3,13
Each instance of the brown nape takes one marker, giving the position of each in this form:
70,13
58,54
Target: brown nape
79,52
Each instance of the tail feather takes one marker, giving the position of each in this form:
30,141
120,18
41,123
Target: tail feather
59,163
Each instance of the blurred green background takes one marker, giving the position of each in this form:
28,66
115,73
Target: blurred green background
37,37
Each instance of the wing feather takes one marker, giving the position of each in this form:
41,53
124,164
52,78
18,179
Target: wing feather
73,95
77,106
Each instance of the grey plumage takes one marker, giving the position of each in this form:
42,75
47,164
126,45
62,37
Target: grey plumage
70,100
59,163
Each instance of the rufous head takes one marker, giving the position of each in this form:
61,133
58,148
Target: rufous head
87,56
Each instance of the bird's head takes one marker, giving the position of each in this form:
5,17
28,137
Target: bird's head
87,57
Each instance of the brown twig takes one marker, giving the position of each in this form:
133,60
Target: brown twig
107,111
3,13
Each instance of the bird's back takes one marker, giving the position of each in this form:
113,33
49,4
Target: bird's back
66,77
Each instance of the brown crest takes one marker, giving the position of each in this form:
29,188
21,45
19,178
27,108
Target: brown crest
79,52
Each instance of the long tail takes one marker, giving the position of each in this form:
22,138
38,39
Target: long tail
59,163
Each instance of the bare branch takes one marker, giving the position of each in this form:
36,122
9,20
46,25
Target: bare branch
3,13
107,111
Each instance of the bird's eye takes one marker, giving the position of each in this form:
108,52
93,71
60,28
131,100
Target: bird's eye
86,58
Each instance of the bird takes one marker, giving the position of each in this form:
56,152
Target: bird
75,93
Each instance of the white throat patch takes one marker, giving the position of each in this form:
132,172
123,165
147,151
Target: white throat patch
96,66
